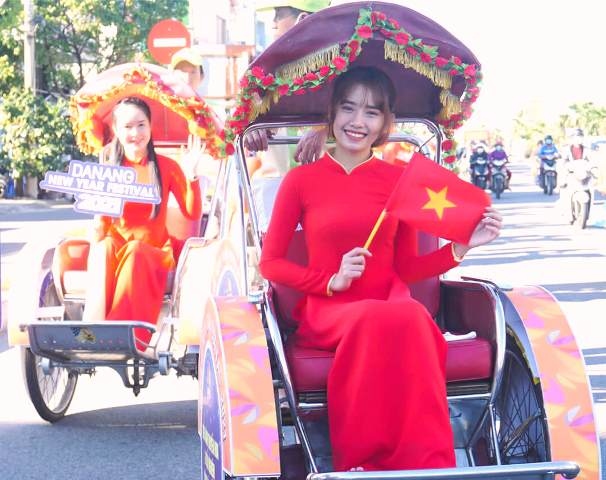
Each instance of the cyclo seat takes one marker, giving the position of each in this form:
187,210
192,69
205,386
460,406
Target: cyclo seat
467,360
71,254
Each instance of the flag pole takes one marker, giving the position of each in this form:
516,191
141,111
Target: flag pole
375,228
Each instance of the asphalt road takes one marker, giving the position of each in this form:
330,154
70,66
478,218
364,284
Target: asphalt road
111,434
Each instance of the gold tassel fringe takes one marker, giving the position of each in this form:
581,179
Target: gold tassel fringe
308,63
451,104
397,53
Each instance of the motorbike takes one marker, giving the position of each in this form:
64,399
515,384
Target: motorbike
578,191
549,175
498,175
3,184
479,173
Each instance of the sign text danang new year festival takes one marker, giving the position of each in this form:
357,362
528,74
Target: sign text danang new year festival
100,189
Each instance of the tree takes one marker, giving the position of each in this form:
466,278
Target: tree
76,37
11,45
589,117
37,132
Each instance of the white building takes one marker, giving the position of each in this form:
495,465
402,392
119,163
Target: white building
228,33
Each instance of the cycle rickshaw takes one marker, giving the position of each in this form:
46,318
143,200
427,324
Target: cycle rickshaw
519,400
57,345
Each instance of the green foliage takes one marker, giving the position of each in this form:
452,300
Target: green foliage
76,37
11,46
36,132
589,117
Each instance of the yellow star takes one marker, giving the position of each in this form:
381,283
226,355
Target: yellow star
438,201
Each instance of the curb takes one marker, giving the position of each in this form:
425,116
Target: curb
12,206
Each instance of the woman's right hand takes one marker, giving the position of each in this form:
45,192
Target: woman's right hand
352,266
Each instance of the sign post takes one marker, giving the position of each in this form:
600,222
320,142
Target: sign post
166,38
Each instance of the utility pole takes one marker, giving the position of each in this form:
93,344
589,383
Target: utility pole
29,48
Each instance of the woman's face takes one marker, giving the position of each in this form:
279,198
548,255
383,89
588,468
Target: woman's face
133,130
358,121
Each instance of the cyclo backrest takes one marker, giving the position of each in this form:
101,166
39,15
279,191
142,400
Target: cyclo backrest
285,298
179,227
71,255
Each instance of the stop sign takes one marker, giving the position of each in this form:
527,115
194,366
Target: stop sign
165,38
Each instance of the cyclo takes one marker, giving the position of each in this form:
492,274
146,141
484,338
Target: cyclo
47,322
519,400
263,405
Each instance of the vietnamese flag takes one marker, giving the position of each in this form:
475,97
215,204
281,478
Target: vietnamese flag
435,200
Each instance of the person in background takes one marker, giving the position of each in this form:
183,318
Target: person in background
387,385
479,154
548,149
499,153
189,64
287,13
576,150
135,248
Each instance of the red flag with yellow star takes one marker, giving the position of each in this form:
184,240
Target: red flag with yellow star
435,200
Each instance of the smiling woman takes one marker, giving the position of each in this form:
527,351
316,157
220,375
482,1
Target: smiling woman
358,303
135,249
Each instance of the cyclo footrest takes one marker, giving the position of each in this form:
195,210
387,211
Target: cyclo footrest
107,341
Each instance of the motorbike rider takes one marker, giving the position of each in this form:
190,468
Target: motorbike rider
548,148
574,152
479,154
499,153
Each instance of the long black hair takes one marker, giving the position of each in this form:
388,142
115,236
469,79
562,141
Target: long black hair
113,153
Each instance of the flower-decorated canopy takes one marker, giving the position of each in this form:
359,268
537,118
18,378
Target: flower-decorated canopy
435,75
176,109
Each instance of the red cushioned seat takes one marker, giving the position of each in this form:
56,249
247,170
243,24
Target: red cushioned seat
467,360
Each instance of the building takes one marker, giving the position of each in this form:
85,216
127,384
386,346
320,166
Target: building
228,33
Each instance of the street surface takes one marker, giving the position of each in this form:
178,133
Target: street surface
108,433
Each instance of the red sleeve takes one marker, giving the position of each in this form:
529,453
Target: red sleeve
186,193
412,267
285,217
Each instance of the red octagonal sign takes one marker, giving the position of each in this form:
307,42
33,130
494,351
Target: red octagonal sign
165,38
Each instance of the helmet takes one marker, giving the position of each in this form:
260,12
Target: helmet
578,132
548,138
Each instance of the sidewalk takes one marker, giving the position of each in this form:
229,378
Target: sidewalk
18,205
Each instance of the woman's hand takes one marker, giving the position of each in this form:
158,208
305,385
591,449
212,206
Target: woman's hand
487,229
191,158
353,264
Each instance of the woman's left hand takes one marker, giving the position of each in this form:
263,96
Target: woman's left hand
487,229
191,159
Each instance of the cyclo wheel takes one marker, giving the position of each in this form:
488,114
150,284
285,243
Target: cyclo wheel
52,393
519,415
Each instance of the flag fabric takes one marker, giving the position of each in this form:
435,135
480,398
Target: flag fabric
435,200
